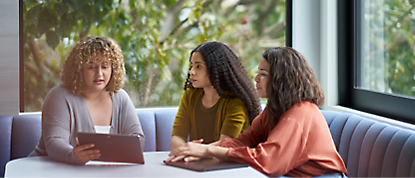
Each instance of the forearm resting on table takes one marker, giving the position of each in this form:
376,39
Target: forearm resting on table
217,152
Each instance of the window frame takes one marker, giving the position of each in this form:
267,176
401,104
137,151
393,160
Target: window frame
349,49
289,23
21,58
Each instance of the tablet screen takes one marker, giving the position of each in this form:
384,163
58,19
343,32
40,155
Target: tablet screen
114,147
206,165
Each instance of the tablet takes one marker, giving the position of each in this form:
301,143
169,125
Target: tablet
206,165
114,147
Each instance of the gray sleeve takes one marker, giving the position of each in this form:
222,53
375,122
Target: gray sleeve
129,121
56,123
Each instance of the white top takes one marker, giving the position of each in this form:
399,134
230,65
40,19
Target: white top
102,129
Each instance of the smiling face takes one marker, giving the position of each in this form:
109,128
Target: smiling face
198,71
261,79
97,74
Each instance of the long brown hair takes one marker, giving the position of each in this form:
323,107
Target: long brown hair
291,80
226,73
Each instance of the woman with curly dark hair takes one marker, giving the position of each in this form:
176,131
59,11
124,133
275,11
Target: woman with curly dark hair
219,100
290,137
89,100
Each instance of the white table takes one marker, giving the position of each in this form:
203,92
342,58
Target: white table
153,167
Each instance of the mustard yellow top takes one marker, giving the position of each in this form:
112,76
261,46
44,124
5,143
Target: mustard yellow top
231,116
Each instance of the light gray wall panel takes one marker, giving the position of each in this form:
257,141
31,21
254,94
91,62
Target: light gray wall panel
9,57
315,36
306,31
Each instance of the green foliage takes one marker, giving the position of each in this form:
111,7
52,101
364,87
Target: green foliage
390,50
156,37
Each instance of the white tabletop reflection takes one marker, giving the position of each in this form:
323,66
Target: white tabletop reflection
153,167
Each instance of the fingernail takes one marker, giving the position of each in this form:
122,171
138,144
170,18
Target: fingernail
186,159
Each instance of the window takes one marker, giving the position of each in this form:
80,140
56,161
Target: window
155,36
377,57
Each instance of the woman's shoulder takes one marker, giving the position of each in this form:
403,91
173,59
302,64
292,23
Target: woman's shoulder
229,94
303,112
192,92
121,95
122,92
60,90
232,99
304,107
60,96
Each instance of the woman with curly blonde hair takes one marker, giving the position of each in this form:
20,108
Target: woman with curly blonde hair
89,100
290,137
83,53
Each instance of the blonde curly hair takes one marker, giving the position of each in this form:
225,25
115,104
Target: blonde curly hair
81,55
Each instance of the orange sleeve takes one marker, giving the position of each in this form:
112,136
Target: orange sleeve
250,138
300,144
279,154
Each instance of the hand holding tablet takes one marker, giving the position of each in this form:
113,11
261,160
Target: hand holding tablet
114,148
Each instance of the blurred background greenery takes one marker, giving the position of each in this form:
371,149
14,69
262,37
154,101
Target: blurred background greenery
156,37
388,54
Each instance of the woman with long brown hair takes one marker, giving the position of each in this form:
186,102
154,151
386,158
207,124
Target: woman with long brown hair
219,100
290,137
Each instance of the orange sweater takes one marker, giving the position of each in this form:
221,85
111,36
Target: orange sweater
300,145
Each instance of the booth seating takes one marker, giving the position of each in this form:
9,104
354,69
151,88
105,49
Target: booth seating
19,135
369,148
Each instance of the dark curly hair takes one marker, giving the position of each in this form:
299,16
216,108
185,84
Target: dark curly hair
226,73
291,80
80,56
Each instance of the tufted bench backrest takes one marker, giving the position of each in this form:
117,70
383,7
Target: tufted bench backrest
5,141
370,148
157,124
19,135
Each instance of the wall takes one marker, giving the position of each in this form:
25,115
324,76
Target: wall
9,57
315,36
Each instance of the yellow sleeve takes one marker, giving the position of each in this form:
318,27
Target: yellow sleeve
181,126
236,118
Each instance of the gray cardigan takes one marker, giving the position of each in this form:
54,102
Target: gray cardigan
64,114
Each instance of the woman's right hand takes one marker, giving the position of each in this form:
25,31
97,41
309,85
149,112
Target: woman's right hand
84,153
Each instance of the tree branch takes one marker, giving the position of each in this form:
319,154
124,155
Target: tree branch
177,32
37,59
33,71
262,17
171,15
149,72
